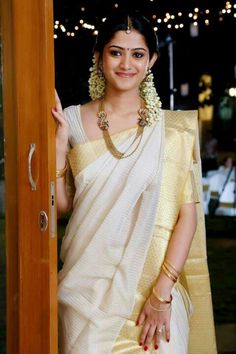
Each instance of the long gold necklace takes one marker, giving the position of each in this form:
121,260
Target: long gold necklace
103,124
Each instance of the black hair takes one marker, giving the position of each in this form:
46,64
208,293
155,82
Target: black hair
118,21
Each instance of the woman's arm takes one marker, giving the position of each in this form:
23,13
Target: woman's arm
179,245
176,254
64,202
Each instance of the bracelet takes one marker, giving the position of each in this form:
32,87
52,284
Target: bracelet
155,293
62,172
158,309
171,266
170,271
169,275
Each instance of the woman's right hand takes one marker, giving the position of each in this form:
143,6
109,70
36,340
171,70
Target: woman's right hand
62,125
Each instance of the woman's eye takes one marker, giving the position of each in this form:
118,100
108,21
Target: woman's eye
138,55
115,53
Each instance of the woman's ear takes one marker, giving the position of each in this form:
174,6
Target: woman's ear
96,56
153,60
98,59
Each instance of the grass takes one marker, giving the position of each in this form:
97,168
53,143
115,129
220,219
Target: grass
221,249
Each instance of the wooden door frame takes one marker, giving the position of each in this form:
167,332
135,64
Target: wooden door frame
28,96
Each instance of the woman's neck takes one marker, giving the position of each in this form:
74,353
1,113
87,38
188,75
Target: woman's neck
122,102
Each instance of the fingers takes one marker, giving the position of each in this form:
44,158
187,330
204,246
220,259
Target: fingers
141,319
149,336
158,335
167,330
143,335
58,102
58,116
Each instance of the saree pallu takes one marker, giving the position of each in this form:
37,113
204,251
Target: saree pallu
117,236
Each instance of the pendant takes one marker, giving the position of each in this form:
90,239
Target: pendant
143,114
102,122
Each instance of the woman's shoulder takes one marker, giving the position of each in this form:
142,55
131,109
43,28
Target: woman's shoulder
186,120
71,112
72,115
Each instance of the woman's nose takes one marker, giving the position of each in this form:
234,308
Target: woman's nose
126,62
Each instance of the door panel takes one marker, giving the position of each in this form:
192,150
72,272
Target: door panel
28,95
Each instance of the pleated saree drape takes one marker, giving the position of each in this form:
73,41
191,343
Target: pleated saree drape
117,235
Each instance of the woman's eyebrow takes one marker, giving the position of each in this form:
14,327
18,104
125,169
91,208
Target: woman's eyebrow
121,48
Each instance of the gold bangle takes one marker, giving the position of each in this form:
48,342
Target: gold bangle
171,266
167,272
62,172
170,270
158,309
163,301
169,275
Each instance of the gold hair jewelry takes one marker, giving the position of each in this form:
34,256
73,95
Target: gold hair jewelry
158,309
155,293
129,25
62,172
103,124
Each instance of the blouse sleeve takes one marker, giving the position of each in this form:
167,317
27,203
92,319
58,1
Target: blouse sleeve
190,194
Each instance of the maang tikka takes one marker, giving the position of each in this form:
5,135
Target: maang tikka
129,25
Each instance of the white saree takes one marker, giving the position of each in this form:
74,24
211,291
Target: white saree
106,240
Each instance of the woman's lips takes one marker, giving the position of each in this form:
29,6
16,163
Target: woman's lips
125,75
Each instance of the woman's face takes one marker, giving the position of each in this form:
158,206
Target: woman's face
125,61
229,162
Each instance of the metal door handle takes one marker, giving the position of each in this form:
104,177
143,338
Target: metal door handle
43,220
30,156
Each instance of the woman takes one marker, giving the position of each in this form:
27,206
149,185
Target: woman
133,208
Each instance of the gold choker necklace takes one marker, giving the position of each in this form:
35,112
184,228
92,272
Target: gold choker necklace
103,124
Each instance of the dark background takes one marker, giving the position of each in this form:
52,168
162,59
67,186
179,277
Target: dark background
212,51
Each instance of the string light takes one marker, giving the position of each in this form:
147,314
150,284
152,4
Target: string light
170,20
232,91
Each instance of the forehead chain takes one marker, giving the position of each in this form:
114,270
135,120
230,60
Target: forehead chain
129,25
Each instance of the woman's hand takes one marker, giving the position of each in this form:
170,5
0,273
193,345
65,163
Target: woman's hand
62,125
155,323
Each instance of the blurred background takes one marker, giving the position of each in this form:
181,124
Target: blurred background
196,70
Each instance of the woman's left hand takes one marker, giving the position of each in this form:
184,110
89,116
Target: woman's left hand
154,322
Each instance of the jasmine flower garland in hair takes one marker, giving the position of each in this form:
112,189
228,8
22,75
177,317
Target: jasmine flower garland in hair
149,94
96,82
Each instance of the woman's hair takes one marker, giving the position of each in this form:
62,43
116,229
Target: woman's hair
119,21
225,159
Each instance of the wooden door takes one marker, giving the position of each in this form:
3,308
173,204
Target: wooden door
28,96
